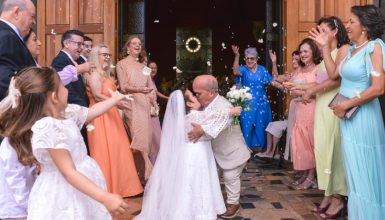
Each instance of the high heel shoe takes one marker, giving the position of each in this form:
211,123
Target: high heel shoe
340,213
320,210
308,183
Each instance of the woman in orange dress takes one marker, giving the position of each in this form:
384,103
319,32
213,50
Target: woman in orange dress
134,78
107,138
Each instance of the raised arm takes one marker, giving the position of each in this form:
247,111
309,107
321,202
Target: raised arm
273,58
101,107
236,60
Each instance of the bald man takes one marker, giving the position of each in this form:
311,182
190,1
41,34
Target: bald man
16,19
230,150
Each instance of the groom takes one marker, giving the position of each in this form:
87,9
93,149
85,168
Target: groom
230,150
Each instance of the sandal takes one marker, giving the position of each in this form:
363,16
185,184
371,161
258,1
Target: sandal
308,183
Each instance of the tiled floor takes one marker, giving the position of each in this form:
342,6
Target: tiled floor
266,195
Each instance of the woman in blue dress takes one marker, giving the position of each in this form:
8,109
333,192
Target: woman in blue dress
363,135
256,77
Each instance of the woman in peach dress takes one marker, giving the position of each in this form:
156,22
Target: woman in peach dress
302,139
107,138
134,78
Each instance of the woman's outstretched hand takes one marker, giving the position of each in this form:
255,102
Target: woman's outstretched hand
235,50
319,36
273,56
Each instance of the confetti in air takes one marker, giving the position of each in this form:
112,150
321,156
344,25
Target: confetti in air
90,127
223,46
275,24
260,41
53,31
208,63
156,21
112,66
263,31
177,70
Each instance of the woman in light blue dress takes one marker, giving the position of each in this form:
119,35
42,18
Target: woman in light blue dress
256,77
363,135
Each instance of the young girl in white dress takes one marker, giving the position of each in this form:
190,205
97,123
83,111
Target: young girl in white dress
184,183
70,184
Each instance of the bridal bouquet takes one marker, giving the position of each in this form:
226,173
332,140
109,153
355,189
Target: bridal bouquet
238,97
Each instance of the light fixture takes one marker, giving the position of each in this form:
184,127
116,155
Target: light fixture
193,44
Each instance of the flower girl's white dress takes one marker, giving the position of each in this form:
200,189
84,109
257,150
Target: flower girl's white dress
52,197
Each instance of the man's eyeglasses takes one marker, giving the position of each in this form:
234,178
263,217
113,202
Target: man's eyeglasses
106,55
250,58
80,44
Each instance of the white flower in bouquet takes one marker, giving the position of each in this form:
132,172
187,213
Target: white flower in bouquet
238,97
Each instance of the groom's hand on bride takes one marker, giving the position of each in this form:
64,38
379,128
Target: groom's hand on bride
195,133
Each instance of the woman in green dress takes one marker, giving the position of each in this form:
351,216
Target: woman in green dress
332,39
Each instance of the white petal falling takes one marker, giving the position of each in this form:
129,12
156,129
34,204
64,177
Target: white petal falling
90,127
156,21
208,63
260,41
53,32
275,24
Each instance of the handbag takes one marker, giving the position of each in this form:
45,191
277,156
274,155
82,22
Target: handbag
338,98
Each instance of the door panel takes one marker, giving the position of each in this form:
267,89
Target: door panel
301,15
96,18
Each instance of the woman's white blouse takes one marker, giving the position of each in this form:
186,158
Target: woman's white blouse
16,181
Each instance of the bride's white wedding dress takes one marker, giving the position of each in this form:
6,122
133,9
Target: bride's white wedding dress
184,184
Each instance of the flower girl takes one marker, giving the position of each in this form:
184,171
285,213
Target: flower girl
70,184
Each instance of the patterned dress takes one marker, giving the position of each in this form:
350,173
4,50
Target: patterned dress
138,116
255,120
302,136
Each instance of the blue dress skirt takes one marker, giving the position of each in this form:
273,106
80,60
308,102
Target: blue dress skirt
363,140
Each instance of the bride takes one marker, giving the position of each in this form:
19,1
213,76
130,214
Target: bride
184,184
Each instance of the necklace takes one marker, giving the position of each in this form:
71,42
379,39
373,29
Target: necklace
356,47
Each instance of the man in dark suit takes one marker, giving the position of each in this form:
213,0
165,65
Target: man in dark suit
72,45
16,19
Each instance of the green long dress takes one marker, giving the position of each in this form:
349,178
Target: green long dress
327,143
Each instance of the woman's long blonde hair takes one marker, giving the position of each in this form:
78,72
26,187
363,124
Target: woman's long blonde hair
94,58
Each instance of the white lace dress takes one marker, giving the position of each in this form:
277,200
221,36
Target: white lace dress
52,197
193,192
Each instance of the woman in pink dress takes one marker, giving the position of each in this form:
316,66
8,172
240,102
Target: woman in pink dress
302,139
134,78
